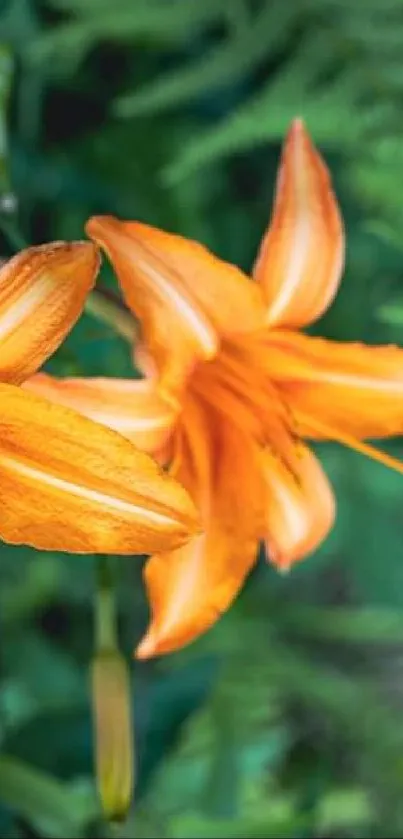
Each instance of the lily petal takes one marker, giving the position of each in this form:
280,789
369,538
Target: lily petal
133,408
42,294
184,297
301,256
300,507
351,387
70,484
189,588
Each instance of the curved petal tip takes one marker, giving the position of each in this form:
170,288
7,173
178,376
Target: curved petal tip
148,647
42,294
301,257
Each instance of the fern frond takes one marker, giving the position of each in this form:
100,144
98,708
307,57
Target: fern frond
344,77
329,113
162,22
234,59
334,62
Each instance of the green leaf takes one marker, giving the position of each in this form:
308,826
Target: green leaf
47,804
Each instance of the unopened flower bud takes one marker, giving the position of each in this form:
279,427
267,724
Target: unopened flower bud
114,749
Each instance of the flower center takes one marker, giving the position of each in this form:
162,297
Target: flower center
236,384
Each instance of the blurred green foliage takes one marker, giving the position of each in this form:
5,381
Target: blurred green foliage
286,718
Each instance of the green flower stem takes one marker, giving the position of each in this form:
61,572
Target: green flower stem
109,311
105,606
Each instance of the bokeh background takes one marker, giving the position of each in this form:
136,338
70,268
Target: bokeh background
286,719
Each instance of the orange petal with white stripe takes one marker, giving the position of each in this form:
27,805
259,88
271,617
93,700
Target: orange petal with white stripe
132,407
190,588
300,506
42,294
301,256
70,484
351,387
185,298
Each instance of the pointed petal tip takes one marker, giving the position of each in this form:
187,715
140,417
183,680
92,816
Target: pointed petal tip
164,637
64,259
298,137
97,224
282,567
46,284
147,648
82,245
162,640
84,256
301,257
180,509
87,251
82,252
300,506
297,126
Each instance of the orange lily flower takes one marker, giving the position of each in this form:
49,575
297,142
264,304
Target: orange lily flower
232,388
66,482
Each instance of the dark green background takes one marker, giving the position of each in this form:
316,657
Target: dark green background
286,718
